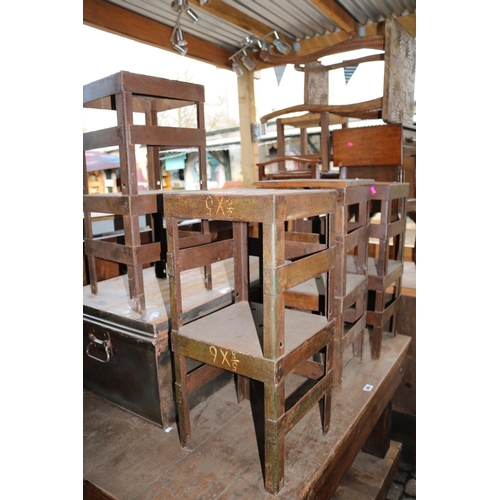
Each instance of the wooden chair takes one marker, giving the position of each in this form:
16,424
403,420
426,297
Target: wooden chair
351,285
310,168
263,341
374,152
396,105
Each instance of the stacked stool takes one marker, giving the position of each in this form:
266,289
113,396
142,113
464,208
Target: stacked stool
262,341
385,271
351,282
124,96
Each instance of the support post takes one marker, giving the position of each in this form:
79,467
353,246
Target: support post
249,149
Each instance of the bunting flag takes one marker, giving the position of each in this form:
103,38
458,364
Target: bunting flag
278,71
348,72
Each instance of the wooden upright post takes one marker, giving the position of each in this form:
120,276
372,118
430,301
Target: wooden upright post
249,149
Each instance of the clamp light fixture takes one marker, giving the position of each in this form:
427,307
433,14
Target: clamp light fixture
247,62
236,67
281,46
177,39
255,43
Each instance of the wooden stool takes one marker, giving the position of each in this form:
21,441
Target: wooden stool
351,286
262,341
125,95
385,271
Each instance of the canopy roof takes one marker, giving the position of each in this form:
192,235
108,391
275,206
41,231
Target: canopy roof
224,26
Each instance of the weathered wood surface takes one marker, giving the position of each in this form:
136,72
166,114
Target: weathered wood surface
405,398
369,478
112,301
127,458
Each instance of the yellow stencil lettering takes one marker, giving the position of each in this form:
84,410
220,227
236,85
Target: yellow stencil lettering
220,208
229,207
234,360
224,358
213,352
209,204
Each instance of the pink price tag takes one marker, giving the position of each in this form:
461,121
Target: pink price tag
349,144
373,190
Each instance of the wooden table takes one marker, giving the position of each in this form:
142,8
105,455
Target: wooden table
405,398
126,457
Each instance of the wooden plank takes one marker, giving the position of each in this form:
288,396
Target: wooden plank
119,204
111,303
405,396
112,136
369,477
222,10
92,492
379,441
154,87
249,205
123,453
248,115
109,17
338,15
123,254
301,270
193,257
167,136
368,147
130,458
371,106
341,45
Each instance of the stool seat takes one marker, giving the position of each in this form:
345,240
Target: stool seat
238,328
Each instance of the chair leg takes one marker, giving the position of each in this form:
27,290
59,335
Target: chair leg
274,444
181,400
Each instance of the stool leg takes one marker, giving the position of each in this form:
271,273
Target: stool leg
337,344
337,369
242,388
376,341
327,400
274,446
181,399
357,346
377,329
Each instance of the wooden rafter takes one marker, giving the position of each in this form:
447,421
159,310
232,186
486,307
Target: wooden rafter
338,15
231,15
110,17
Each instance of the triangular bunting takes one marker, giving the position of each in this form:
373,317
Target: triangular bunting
278,71
348,72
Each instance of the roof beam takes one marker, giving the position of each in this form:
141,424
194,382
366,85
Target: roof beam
234,16
409,22
338,15
319,43
114,19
